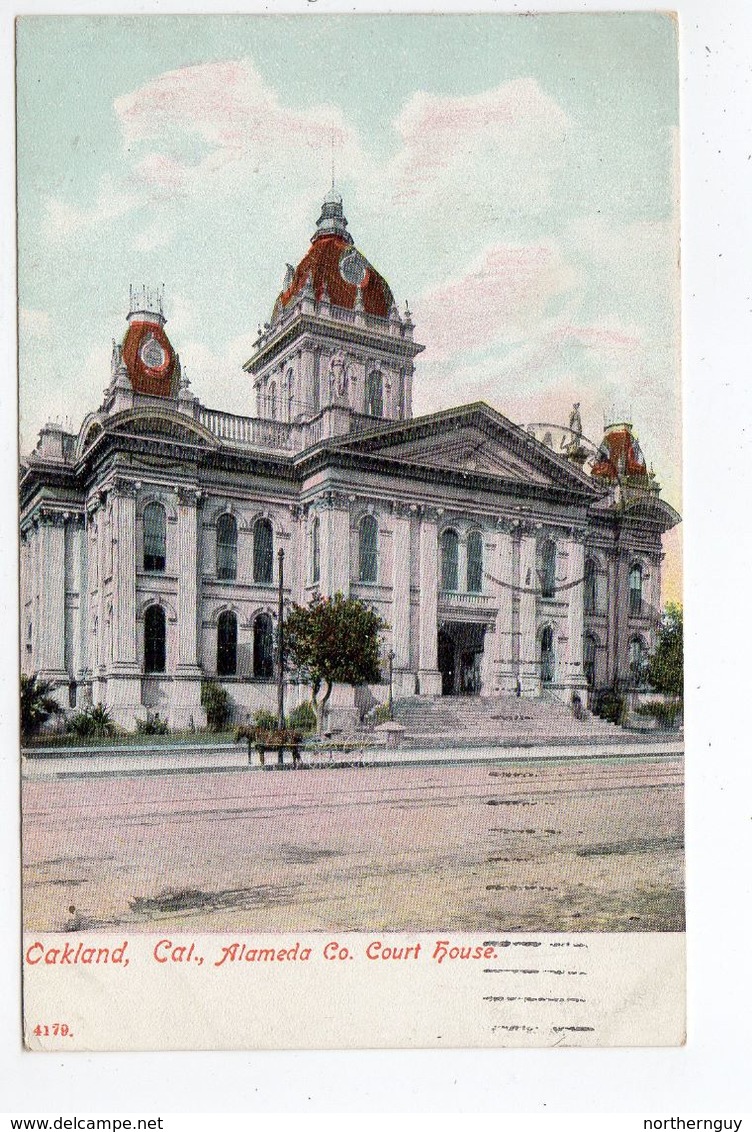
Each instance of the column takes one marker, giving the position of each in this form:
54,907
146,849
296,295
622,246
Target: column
52,592
529,674
334,529
339,544
185,704
429,677
502,571
82,670
574,676
403,681
103,533
124,653
123,694
187,561
621,619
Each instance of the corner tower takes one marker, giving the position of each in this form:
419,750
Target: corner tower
336,346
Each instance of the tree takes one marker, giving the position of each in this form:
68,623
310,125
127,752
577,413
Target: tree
333,640
666,665
37,704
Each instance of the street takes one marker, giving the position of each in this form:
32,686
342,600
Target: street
570,845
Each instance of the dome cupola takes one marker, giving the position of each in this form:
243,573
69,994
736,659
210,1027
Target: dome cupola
334,269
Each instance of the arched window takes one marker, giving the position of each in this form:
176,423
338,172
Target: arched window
316,550
589,659
547,655
227,644
635,590
450,561
227,548
155,639
263,647
273,401
637,662
368,549
548,568
374,394
475,562
155,538
263,552
590,595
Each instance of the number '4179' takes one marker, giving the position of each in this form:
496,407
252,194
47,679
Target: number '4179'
53,1030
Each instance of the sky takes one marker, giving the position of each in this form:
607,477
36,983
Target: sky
514,178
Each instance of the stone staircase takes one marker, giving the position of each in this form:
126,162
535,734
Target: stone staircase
462,721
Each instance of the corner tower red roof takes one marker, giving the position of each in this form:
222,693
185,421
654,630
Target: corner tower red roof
619,455
148,355
336,267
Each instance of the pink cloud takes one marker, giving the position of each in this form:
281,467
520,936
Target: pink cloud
501,296
438,131
227,105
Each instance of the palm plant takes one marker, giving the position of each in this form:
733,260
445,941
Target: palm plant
37,704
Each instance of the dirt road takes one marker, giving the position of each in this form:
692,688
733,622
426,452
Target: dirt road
591,845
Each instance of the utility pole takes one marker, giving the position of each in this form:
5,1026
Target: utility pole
390,656
281,641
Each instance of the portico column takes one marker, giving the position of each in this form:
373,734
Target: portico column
185,706
401,600
124,576
429,677
103,533
51,534
528,583
340,544
502,570
123,696
574,674
187,562
335,545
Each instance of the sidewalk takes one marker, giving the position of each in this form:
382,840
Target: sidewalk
47,763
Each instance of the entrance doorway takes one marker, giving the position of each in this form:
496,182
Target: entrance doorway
460,654
446,664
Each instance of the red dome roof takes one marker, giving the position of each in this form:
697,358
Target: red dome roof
148,355
619,455
334,262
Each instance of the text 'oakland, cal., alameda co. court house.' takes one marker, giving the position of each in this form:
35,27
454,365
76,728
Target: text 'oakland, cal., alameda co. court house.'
502,559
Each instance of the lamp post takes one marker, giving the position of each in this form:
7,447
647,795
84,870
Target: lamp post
281,640
390,702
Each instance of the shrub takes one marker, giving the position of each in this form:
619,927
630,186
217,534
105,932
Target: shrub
610,705
37,704
152,725
215,700
303,717
666,712
265,720
381,714
92,723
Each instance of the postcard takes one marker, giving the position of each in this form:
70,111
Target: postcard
351,635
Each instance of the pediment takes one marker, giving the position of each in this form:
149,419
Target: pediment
474,440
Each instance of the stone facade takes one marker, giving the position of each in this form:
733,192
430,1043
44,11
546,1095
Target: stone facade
149,540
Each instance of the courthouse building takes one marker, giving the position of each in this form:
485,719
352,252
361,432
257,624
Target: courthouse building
501,560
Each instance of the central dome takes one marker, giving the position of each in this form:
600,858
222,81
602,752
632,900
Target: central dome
335,266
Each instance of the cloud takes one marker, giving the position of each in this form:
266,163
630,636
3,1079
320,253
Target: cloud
198,121
502,296
471,139
114,198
